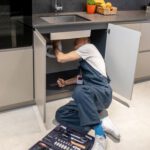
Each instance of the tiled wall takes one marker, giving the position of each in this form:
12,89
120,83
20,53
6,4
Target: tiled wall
43,6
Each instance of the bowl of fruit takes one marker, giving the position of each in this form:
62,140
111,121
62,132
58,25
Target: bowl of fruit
105,8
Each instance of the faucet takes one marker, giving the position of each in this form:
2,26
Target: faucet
58,6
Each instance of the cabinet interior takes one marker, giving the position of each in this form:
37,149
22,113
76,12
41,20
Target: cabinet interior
55,70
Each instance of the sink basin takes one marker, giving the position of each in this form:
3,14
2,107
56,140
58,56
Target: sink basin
63,19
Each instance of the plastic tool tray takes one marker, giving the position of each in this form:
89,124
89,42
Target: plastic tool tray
64,138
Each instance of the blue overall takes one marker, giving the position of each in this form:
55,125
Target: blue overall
90,98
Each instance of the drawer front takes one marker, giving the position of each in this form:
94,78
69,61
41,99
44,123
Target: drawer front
70,35
135,26
143,68
145,38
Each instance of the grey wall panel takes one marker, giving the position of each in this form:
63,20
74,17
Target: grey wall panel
128,4
43,6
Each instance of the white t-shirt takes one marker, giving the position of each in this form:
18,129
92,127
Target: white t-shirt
92,56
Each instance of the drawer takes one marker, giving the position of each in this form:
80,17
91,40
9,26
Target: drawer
145,30
135,26
143,69
70,35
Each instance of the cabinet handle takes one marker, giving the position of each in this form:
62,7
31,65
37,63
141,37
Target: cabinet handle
108,31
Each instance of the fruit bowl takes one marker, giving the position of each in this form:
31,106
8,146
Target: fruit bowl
105,8
106,11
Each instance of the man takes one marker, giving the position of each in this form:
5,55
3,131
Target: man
91,97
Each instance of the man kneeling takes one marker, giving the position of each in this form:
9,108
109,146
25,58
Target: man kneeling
91,97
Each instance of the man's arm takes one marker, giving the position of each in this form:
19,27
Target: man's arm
71,81
62,82
65,57
70,56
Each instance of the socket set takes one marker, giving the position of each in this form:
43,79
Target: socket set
64,138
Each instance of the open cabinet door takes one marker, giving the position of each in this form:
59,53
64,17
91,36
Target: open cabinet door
122,47
40,73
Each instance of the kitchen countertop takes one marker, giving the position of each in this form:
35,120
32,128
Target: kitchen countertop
97,21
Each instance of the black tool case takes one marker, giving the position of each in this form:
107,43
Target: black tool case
64,138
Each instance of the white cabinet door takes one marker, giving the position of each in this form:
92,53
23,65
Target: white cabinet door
122,46
16,76
144,28
40,72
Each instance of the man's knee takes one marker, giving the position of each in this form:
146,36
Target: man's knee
58,115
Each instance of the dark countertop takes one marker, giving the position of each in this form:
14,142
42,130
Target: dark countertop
97,21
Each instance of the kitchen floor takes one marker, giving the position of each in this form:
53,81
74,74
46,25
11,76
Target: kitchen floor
21,128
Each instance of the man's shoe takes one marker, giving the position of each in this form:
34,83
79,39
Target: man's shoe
55,122
100,143
110,128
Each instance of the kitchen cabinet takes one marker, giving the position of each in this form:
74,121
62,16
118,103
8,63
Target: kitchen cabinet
122,46
145,30
135,26
47,70
40,72
16,77
121,53
142,68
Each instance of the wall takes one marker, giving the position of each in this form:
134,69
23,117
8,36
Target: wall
43,6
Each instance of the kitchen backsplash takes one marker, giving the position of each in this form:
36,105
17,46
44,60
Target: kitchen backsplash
44,6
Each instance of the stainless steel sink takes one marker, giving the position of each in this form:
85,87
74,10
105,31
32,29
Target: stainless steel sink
63,19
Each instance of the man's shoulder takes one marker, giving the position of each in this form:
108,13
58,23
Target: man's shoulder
88,46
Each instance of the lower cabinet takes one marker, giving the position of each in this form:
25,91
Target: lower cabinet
145,30
16,77
143,69
118,51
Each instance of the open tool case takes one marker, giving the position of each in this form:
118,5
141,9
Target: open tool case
64,138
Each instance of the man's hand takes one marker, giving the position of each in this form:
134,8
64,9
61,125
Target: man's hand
61,82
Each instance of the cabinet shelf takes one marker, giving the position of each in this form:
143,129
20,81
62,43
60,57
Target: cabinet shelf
54,92
59,93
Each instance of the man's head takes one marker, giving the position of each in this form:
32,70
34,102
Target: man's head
81,41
